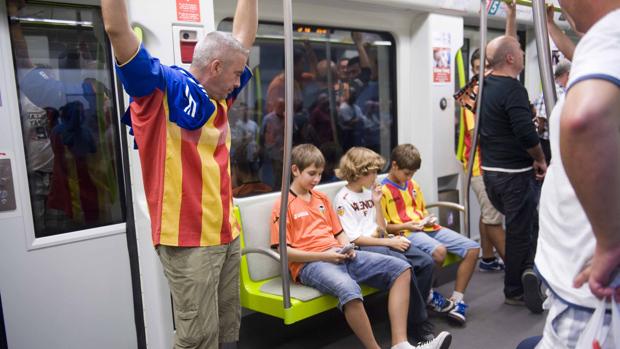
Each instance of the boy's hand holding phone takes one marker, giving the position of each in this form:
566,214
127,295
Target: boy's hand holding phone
347,250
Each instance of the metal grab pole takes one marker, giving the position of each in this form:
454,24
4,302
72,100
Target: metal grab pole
474,141
288,143
544,54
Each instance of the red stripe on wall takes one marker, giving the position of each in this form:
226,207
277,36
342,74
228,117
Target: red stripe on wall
190,219
222,157
399,202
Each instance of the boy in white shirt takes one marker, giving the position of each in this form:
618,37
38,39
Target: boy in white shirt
358,206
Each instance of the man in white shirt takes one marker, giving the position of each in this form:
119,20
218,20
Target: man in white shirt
579,221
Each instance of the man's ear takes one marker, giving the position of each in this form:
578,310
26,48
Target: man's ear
217,66
394,165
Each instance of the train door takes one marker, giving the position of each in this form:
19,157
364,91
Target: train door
64,261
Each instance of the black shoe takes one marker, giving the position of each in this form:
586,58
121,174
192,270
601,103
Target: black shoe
423,332
532,296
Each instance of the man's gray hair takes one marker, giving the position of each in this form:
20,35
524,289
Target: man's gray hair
561,68
216,45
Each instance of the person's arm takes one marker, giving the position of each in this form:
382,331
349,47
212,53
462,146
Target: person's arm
396,228
563,42
511,18
20,46
377,195
520,115
245,22
396,243
540,164
116,22
590,151
301,256
363,54
313,61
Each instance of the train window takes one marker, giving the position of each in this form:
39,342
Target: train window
68,116
344,96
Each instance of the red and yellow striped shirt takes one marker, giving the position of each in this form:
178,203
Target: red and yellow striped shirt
183,138
403,204
469,128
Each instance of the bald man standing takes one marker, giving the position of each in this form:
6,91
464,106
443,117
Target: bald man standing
512,162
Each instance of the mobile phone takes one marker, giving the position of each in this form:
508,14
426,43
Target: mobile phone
346,248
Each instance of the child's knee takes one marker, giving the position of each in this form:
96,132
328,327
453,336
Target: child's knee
405,276
472,253
439,254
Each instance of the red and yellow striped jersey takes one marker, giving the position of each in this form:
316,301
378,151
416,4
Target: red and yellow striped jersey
403,204
467,140
183,138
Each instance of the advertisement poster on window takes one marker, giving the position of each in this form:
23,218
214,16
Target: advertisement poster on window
188,10
442,63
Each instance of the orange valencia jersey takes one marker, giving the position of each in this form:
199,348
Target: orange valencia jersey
310,226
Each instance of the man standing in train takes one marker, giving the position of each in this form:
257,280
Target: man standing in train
512,161
179,119
579,221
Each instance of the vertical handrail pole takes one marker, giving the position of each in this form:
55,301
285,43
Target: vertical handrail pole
333,103
474,141
288,144
544,54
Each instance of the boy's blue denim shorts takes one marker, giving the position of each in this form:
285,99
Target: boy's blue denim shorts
454,242
342,280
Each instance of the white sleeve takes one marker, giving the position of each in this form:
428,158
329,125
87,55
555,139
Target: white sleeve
347,217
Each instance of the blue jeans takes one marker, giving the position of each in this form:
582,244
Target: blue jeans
342,280
516,196
453,241
421,280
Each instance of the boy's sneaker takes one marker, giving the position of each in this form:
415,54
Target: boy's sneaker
532,296
495,265
458,313
439,303
442,341
423,332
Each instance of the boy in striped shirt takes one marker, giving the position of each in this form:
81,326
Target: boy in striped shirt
405,211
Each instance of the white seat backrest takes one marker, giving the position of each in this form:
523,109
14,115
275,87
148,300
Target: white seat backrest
255,215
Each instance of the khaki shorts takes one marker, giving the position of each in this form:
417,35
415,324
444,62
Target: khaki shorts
489,214
204,282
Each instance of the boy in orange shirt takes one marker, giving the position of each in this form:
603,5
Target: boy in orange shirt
314,237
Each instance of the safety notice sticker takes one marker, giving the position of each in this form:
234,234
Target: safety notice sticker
188,10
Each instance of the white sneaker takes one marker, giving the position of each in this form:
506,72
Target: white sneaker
441,341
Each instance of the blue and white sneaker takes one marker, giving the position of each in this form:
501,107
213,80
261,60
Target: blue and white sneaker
458,313
496,265
440,304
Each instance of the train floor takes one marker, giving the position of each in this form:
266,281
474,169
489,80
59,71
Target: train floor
490,323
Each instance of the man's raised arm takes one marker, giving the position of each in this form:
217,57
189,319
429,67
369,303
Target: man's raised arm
590,150
511,18
124,41
561,41
245,22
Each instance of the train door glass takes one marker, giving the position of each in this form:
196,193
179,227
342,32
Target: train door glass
68,116
344,96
